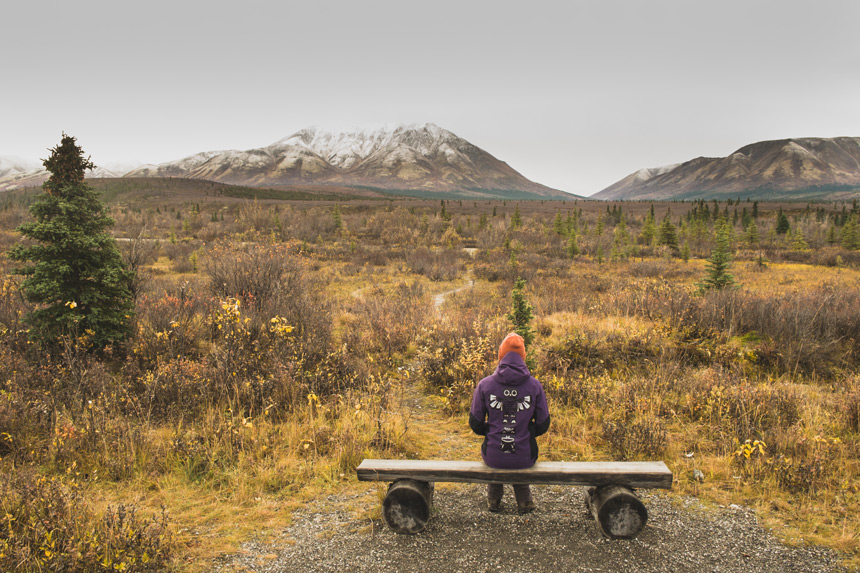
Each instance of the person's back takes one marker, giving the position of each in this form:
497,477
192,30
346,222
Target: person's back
509,408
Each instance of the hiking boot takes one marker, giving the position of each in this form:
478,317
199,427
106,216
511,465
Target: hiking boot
527,507
525,504
495,491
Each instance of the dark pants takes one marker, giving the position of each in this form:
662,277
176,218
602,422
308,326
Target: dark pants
522,492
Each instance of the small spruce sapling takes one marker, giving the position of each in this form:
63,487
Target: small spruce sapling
717,268
521,316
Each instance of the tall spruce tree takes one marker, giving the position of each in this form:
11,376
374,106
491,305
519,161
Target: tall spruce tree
668,234
649,229
572,246
516,219
74,273
751,234
782,224
558,224
850,235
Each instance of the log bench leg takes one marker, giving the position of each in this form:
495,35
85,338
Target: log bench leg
619,513
406,507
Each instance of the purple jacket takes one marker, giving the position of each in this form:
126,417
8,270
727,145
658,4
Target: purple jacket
509,408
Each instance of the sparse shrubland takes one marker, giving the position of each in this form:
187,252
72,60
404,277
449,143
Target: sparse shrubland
276,344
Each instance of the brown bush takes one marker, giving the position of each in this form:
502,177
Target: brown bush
851,410
578,391
272,281
387,323
660,268
436,265
49,526
175,388
12,310
460,349
600,352
24,424
644,436
304,224
137,253
254,216
170,325
808,329
747,411
253,273
491,265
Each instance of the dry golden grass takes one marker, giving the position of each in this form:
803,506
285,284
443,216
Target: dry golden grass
297,417
780,278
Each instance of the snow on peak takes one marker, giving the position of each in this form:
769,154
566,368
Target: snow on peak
651,172
14,165
346,149
795,148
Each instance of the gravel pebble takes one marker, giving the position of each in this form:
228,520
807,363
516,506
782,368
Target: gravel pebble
560,536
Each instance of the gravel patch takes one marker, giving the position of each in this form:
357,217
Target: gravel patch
561,535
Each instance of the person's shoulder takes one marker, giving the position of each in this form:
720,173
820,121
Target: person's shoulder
535,382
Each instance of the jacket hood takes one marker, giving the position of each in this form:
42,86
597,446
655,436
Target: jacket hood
512,370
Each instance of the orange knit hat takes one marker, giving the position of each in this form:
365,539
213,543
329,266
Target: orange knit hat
513,342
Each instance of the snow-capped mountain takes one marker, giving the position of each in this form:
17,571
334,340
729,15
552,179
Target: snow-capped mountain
422,158
113,169
11,166
803,168
17,173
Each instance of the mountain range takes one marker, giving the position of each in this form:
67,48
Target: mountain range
429,161
790,169
409,160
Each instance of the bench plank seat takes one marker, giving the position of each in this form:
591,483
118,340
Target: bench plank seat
630,474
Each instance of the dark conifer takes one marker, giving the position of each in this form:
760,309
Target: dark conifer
782,224
74,273
521,313
717,268
668,234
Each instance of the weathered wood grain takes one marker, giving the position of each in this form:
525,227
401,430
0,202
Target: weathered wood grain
619,512
630,474
406,507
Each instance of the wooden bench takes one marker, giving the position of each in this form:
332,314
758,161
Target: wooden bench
618,511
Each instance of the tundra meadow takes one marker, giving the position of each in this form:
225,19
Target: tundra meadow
277,338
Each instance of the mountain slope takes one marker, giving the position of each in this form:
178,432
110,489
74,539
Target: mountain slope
406,159
16,172
803,168
15,166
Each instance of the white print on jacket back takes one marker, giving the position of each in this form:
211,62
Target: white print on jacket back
509,404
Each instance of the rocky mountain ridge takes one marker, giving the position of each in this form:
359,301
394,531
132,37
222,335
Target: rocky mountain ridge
407,158
410,160
801,168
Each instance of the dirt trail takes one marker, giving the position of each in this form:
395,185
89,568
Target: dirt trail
439,299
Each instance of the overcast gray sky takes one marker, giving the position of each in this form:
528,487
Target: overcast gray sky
574,95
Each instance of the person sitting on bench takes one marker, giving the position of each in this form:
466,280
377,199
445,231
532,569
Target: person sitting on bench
509,409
